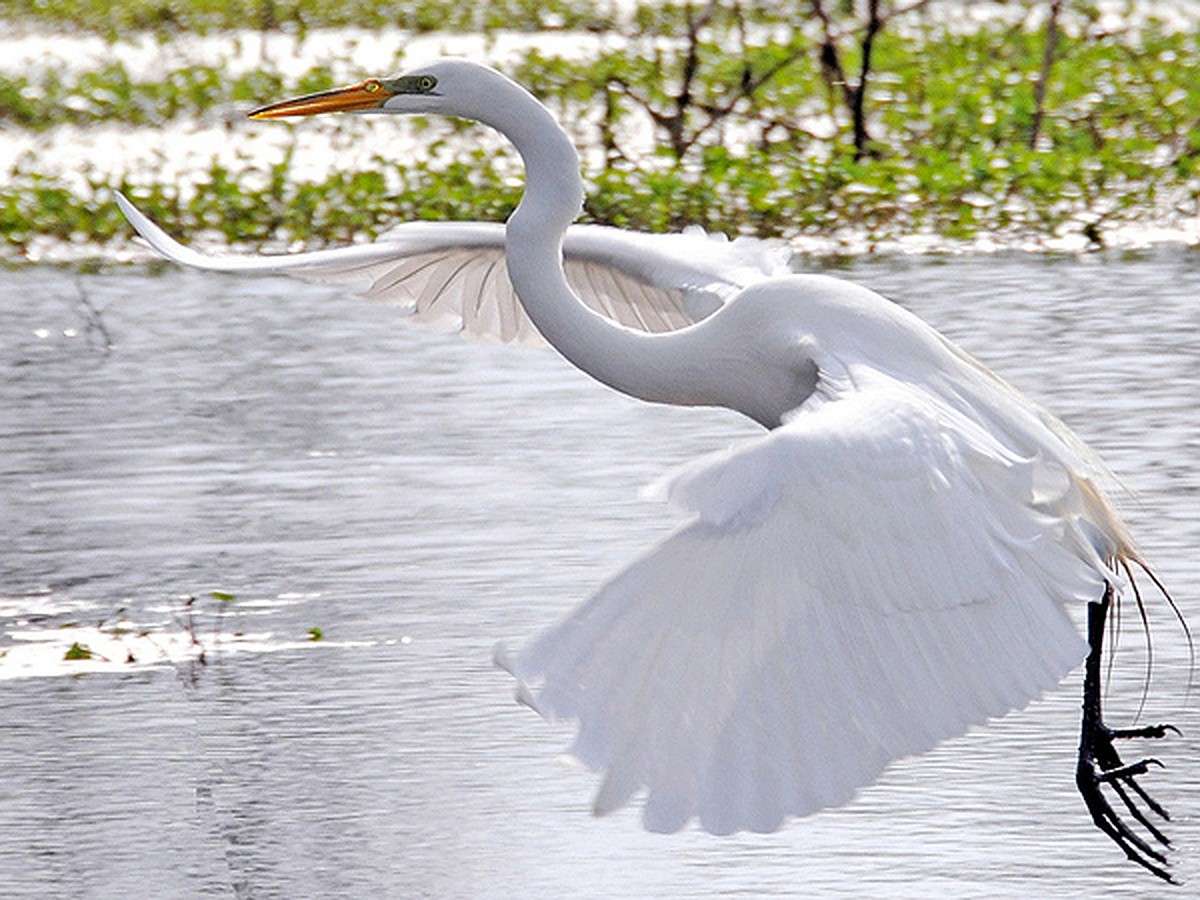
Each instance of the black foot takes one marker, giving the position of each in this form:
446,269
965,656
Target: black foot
1100,765
1148,731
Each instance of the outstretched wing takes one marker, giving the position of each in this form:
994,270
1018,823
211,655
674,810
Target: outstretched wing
453,273
872,577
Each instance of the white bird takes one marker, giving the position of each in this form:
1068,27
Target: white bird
893,561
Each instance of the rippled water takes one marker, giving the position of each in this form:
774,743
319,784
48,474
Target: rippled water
417,498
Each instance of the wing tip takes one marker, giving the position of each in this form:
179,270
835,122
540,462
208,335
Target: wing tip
157,239
502,659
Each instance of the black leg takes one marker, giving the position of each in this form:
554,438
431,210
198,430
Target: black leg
1100,764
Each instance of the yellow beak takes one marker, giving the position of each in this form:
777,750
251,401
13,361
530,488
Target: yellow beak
369,94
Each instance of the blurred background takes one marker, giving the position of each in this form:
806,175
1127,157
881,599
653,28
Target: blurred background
839,125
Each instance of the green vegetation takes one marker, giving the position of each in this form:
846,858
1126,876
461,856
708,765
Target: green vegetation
774,119
333,210
168,18
77,651
315,634
111,94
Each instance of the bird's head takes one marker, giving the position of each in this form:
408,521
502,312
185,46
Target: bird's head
455,87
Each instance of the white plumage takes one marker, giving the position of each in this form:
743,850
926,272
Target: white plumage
453,275
877,574
893,561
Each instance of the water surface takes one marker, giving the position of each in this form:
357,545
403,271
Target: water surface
418,497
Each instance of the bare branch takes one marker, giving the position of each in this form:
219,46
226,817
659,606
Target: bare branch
853,95
1039,89
904,10
874,24
884,18
831,63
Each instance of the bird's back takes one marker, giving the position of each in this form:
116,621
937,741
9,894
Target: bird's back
856,337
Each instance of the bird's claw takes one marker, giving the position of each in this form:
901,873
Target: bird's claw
1148,731
1102,765
1141,767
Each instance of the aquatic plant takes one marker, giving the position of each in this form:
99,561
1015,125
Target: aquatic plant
77,651
754,118
114,20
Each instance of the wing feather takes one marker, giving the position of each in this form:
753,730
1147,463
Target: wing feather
452,274
869,579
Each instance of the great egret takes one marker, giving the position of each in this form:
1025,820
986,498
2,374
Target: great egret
890,563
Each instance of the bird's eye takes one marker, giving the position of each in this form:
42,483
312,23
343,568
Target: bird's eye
371,86
427,82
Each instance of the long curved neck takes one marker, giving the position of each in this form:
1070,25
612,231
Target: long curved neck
657,368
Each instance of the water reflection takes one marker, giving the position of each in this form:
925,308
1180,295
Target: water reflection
418,497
